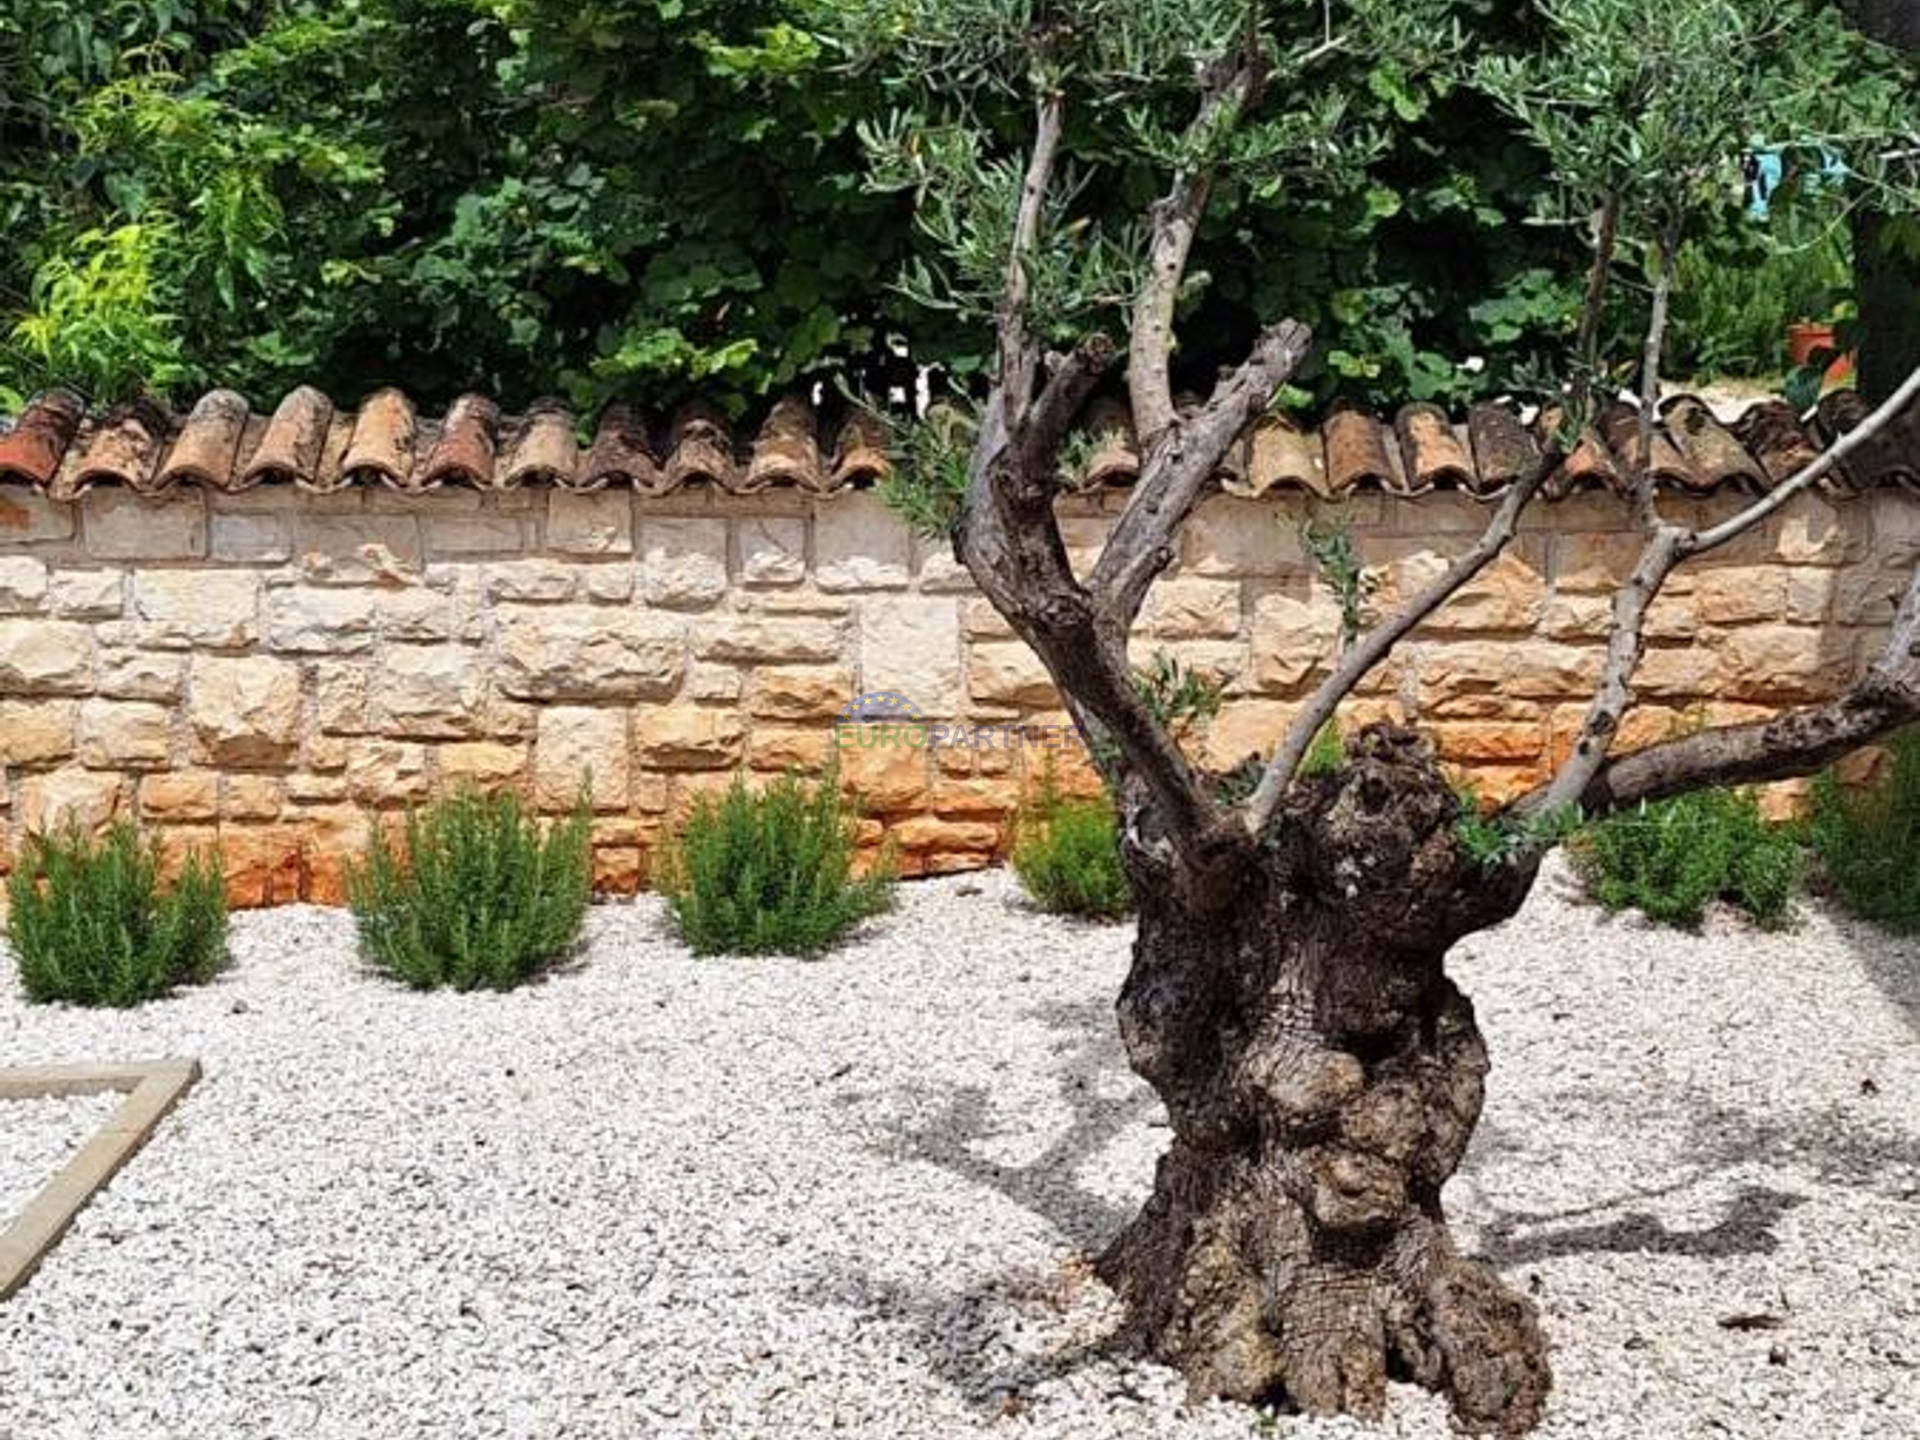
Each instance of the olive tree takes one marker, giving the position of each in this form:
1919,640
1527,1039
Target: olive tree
1288,998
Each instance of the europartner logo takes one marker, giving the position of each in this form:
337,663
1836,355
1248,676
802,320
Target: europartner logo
886,719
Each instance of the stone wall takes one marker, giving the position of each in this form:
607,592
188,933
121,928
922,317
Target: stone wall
264,672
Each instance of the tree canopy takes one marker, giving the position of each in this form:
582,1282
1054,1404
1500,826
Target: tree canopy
660,198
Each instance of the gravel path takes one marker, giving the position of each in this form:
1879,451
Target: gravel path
656,1196
37,1137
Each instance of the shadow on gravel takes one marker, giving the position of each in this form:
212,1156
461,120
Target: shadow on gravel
971,1337
1893,964
1836,1147
1044,1185
1746,1229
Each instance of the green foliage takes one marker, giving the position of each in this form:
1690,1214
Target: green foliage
1492,839
927,487
1334,554
653,198
1671,858
1869,842
1326,754
477,898
772,871
1178,696
1066,852
91,924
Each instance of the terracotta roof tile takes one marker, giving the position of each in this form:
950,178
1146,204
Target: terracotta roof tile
464,449
1503,449
30,452
620,455
55,446
1431,451
538,449
289,449
382,445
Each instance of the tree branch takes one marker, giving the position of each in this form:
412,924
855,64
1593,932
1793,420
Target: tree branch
1173,476
1017,362
1668,548
1625,645
1893,408
1066,391
1176,219
1378,643
1797,743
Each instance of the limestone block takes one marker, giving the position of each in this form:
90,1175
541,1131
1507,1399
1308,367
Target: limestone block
1291,639
583,653
752,639
87,800
1184,609
183,608
1008,674
179,795
142,675
683,562
36,732
23,585
427,691
811,692
27,516
120,525
124,734
45,657
599,522
86,594
911,646
686,737
858,544
576,747
245,711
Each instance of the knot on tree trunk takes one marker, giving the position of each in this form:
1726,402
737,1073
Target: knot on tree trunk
1323,1077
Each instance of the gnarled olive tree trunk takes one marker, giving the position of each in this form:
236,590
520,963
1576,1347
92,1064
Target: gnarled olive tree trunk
1323,1077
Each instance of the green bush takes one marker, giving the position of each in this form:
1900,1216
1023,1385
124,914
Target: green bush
1671,858
92,924
478,897
1869,841
771,872
1067,855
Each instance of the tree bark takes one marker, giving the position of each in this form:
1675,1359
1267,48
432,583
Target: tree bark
1323,1077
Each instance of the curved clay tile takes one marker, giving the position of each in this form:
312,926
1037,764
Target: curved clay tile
1281,453
540,448
31,452
1620,424
787,450
463,449
1711,449
1885,459
700,448
382,443
620,452
1357,452
1431,451
1588,465
291,447
1112,458
860,452
1504,450
1774,435
208,443
119,448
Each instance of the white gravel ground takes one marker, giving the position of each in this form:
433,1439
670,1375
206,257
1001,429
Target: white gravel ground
656,1196
37,1137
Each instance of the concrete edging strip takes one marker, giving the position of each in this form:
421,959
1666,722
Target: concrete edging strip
152,1091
